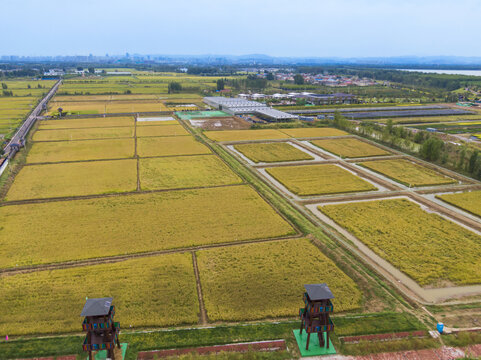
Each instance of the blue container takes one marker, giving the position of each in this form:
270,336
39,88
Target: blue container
440,327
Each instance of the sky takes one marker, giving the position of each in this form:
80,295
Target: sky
300,28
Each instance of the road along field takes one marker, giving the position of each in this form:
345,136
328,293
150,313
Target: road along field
84,134
319,179
408,173
469,201
127,224
74,179
350,148
151,291
185,172
264,280
429,248
272,152
59,151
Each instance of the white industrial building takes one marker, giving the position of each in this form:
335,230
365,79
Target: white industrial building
238,106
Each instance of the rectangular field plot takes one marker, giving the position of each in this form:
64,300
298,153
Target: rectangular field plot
349,148
307,180
161,130
185,172
144,289
264,280
313,132
170,146
83,134
89,228
408,173
469,201
427,247
272,152
243,135
86,123
74,179
81,150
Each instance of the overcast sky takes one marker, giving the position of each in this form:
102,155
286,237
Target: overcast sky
344,28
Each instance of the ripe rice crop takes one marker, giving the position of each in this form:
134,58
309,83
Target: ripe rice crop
242,135
151,291
407,172
306,180
425,246
185,172
469,201
86,123
265,280
57,151
83,134
168,146
89,228
161,130
74,179
349,148
313,132
272,152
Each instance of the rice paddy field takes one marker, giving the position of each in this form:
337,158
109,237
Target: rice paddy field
427,247
84,134
408,173
185,172
105,107
258,281
468,201
86,123
130,224
161,130
272,152
243,135
313,132
308,180
350,148
170,146
151,291
60,151
74,179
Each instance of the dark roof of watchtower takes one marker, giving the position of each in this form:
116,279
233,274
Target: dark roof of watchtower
97,307
318,292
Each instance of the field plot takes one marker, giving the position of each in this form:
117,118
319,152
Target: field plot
258,281
349,148
170,146
80,229
74,179
307,180
185,172
313,132
188,115
58,151
272,152
83,134
425,246
408,173
152,291
243,135
469,201
86,123
161,130
154,121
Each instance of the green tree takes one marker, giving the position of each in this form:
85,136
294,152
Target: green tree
92,70
431,149
174,87
298,79
473,159
269,76
220,84
4,86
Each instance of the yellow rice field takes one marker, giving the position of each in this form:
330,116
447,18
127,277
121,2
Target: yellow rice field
185,172
89,228
170,146
265,280
308,180
86,123
272,152
243,135
161,130
427,247
83,134
74,179
313,132
468,201
151,291
58,151
350,147
408,173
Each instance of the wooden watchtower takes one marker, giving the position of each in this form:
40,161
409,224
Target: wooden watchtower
102,331
315,316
